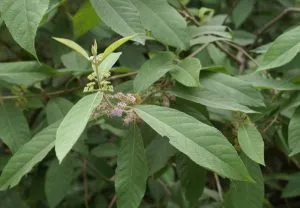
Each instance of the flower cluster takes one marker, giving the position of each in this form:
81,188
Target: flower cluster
117,105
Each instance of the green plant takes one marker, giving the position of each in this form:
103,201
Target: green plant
179,103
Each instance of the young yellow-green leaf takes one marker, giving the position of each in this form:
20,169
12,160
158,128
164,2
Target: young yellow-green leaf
84,19
165,23
294,133
74,124
57,108
131,174
251,142
245,194
203,144
282,50
192,178
209,98
153,70
122,16
14,129
28,156
25,72
58,181
22,19
71,44
115,45
187,72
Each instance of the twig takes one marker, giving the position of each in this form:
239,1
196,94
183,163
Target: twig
242,50
122,75
167,190
219,187
198,50
86,188
271,123
112,202
276,19
49,94
220,46
186,14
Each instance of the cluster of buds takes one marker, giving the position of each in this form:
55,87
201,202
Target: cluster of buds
117,105
20,92
98,77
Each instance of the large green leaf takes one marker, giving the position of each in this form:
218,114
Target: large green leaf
158,153
209,98
282,50
57,108
28,156
187,72
245,194
131,174
74,124
233,88
58,181
152,71
251,142
192,178
122,16
258,81
204,144
294,133
12,199
84,19
165,23
24,73
22,19
242,11
14,129
292,189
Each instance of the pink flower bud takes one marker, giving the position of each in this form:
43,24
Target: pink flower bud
116,112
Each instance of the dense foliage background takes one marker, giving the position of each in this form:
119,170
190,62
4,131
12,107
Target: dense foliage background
149,103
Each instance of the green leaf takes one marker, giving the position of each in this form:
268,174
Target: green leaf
205,30
131,174
279,84
251,142
115,45
57,108
282,50
22,19
245,194
158,153
28,156
292,189
203,144
209,98
84,19
71,44
187,72
294,133
58,181
122,16
24,73
242,11
152,71
105,150
74,124
14,129
109,61
192,178
233,88
165,23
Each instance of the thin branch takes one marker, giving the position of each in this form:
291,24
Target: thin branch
195,53
86,188
122,75
167,190
47,94
276,19
242,50
112,202
219,187
220,46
